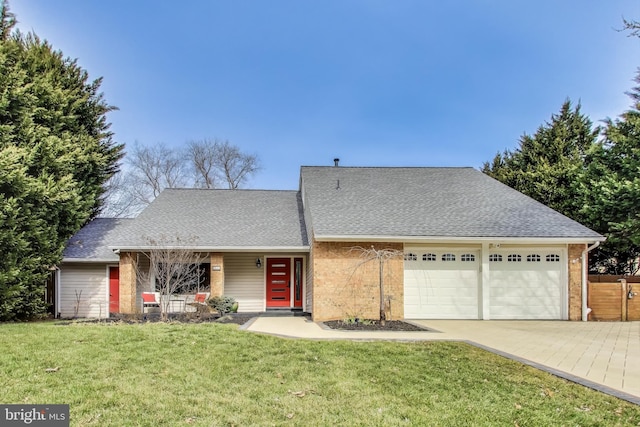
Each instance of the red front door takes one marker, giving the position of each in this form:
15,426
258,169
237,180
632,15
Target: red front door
278,282
114,289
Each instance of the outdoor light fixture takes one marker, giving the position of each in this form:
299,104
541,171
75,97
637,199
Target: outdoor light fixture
258,263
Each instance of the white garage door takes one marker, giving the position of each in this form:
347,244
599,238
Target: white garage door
526,284
441,284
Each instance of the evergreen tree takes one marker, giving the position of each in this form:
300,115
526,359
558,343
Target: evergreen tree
612,186
56,153
548,165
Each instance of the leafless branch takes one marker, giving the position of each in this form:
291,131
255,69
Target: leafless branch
172,266
368,255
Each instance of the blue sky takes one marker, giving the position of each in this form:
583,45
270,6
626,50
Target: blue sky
375,83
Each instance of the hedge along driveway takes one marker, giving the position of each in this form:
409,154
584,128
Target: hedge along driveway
211,374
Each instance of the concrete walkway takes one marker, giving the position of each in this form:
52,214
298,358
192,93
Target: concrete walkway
600,355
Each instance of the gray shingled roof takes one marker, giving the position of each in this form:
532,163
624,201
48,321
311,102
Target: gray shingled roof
92,241
426,202
231,219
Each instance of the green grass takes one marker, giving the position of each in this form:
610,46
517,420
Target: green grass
215,375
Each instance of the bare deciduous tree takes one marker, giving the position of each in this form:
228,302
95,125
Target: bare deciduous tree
382,256
149,170
152,169
203,155
118,199
236,166
172,267
214,160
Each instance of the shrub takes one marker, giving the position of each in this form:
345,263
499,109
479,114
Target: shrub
223,304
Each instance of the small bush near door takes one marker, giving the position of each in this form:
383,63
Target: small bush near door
223,304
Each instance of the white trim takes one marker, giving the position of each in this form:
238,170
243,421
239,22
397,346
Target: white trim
91,260
465,240
296,249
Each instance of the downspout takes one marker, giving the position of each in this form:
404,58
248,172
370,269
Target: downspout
585,275
56,287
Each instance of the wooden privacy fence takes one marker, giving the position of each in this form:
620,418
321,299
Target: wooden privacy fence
613,298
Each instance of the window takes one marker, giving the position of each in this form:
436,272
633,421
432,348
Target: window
514,258
533,258
553,258
467,257
190,278
495,258
410,257
448,257
429,257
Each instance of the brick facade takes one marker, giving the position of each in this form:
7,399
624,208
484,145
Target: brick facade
575,280
127,283
345,287
217,276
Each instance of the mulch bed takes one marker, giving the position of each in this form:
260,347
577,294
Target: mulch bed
234,318
374,325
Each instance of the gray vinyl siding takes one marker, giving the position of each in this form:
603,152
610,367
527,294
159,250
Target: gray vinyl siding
84,285
244,281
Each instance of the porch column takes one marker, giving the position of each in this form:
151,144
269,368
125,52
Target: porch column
217,274
574,268
128,281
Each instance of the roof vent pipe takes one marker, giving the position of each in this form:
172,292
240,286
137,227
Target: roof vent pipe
336,161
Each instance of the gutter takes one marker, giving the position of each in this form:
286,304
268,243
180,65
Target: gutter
585,275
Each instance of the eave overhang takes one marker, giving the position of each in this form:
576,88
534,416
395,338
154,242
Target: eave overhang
459,240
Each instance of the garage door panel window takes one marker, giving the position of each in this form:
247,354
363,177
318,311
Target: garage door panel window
495,258
514,258
533,258
429,257
410,257
448,257
553,258
467,257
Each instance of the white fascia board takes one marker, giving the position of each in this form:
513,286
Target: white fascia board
445,239
90,260
301,249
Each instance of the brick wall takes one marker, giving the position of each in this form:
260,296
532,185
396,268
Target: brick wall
127,283
343,286
575,281
217,276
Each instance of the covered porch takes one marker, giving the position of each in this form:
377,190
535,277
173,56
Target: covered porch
258,281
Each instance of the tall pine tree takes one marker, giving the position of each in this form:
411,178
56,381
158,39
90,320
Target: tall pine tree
548,165
612,187
56,153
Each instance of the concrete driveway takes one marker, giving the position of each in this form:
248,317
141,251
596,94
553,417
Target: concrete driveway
600,355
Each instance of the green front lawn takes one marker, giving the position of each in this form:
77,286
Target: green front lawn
213,374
